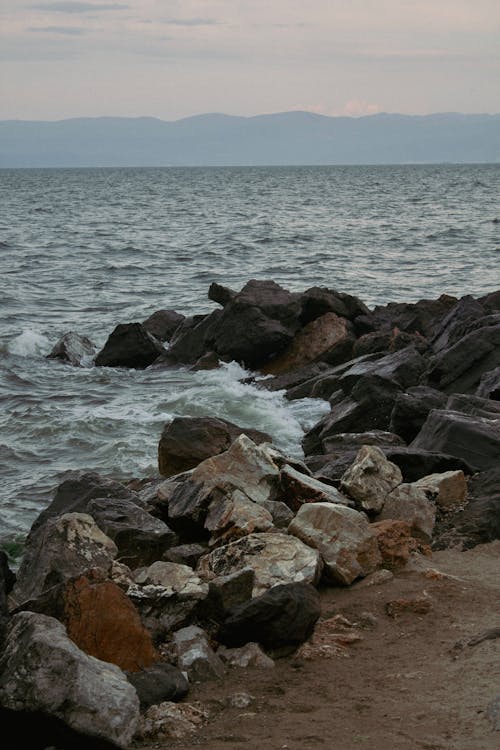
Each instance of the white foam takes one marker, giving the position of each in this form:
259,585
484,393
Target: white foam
29,343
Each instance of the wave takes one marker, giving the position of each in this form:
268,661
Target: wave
29,343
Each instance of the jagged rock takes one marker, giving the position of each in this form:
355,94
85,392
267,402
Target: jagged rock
404,367
474,406
280,512
129,345
166,595
221,294
158,683
226,592
288,381
185,554
387,342
410,503
447,490
104,623
232,514
245,467
412,408
283,616
194,337
370,478
323,383
170,720
422,317
459,368
351,440
75,349
297,489
489,385
42,671
162,324
249,655
328,338
195,656
476,440
187,441
318,301
275,558
64,547
140,538
395,542
343,537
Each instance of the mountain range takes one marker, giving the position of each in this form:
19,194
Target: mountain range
286,138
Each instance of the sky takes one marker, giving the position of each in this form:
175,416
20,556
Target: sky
175,58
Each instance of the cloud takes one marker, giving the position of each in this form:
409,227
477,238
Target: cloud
191,22
66,30
68,6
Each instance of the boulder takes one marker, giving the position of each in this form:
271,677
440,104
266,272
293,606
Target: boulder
474,406
297,489
221,294
474,439
404,367
232,514
43,672
162,324
448,490
454,325
370,478
318,301
343,537
194,337
283,616
328,338
226,592
158,683
410,503
104,623
186,441
129,345
354,440
74,349
322,383
275,558
166,595
185,554
489,385
423,317
395,542
195,655
64,547
280,513
411,409
288,381
388,341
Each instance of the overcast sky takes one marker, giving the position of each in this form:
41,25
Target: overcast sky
174,58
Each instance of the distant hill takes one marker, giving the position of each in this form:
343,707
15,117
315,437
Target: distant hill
285,138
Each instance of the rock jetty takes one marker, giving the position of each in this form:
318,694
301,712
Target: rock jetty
128,593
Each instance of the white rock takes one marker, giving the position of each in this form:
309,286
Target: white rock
409,502
448,490
370,478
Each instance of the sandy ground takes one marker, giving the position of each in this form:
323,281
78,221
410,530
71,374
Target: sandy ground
410,681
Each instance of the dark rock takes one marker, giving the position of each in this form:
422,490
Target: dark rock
288,380
491,302
208,361
422,317
459,369
283,616
75,349
453,326
411,409
475,406
351,440
297,489
158,683
129,345
186,441
281,513
318,301
489,386
225,593
7,580
388,341
162,324
476,440
185,554
324,384
221,294
194,337
405,368
141,539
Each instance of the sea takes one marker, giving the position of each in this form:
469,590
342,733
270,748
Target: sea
85,249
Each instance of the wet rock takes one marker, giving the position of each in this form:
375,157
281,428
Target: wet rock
64,547
194,337
447,490
43,671
158,683
187,441
489,385
288,381
195,655
404,367
297,489
162,324
275,558
129,345
74,349
410,503
343,537
104,623
283,616
322,383
328,338
412,408
395,542
370,478
476,440
166,595
249,655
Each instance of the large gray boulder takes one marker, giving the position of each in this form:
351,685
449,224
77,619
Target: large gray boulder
370,478
42,671
73,349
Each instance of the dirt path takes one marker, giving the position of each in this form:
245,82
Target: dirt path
405,685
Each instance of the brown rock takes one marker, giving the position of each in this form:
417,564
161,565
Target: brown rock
420,605
329,338
394,542
104,623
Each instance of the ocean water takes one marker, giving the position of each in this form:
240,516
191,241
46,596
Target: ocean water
86,249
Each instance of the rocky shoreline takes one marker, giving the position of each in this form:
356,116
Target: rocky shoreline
130,593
